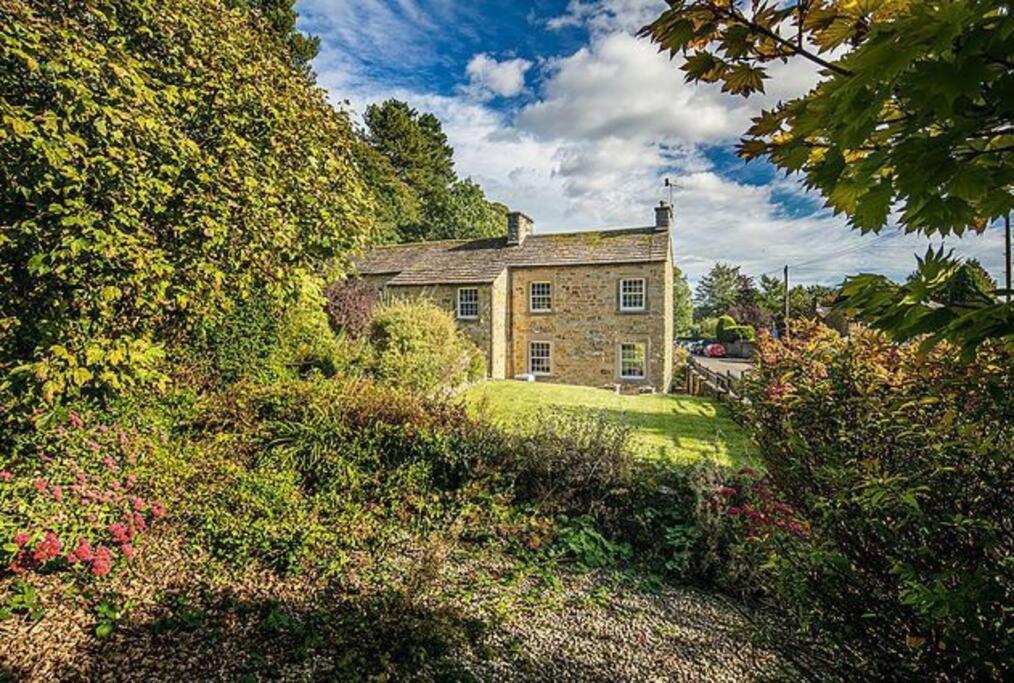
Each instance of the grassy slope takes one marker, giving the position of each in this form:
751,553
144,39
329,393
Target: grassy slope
680,428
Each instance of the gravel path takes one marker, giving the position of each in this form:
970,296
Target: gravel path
485,619
676,634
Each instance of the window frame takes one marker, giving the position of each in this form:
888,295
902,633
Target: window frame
548,296
548,358
620,360
644,295
459,302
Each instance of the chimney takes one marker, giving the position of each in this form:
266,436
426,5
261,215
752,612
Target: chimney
519,226
663,217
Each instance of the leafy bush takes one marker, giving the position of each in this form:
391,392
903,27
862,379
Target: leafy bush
263,339
350,305
727,331
71,498
158,161
418,346
571,462
890,472
298,474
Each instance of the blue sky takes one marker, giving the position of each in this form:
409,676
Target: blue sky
559,111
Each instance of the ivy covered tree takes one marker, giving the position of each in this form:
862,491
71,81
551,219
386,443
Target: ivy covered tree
281,18
913,112
158,161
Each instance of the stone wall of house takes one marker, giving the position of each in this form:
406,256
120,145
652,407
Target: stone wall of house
498,327
479,330
586,326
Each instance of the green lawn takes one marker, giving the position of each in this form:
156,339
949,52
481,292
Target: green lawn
680,428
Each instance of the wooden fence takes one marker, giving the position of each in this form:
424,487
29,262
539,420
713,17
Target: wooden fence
701,380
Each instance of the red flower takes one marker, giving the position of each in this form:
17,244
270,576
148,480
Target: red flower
21,539
103,561
48,548
120,533
82,553
726,491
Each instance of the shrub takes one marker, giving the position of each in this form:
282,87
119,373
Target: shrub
572,462
306,341
298,474
266,339
418,346
897,467
727,331
723,328
71,497
350,305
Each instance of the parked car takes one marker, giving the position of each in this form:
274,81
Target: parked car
715,351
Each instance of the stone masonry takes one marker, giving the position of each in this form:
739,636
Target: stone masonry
585,326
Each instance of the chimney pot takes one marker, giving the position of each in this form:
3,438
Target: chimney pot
519,226
663,216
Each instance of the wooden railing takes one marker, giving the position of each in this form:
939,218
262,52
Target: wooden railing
701,380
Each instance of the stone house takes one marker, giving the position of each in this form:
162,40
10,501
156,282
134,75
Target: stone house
592,308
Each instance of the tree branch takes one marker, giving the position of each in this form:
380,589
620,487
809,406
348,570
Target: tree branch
734,15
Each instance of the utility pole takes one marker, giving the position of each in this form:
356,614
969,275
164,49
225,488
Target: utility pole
1006,221
785,302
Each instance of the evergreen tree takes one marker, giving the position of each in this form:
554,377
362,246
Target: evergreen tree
410,167
718,291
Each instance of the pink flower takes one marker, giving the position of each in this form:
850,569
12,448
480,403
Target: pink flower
127,550
75,420
48,548
57,492
103,561
40,485
120,533
83,552
139,521
137,503
21,539
110,464
157,509
131,480
6,475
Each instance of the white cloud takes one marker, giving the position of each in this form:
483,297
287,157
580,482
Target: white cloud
620,86
607,124
488,77
608,15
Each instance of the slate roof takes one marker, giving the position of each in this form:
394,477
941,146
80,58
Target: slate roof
482,260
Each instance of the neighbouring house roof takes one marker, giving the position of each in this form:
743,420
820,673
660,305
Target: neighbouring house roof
482,260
